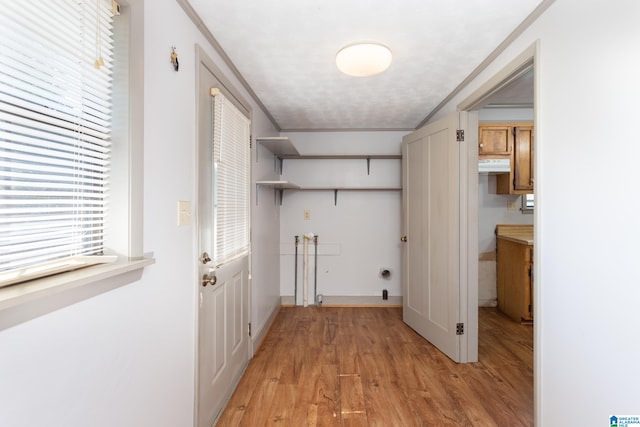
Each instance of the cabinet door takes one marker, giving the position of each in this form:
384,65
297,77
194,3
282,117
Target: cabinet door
514,280
495,140
523,159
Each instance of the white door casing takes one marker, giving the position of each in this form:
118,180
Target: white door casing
223,315
432,211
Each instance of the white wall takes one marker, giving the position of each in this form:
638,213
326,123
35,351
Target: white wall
265,235
587,293
505,114
126,358
358,235
493,209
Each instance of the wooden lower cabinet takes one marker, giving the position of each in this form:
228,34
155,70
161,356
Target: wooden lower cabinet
514,263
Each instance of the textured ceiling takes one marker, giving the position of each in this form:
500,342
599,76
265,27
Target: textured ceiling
286,49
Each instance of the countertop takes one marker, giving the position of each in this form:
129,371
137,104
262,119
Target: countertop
516,233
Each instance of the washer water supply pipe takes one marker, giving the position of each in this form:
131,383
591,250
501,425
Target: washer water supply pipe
305,269
315,271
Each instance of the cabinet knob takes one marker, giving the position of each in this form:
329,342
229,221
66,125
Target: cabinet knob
481,145
403,239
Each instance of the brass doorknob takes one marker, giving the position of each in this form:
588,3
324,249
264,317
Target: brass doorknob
209,279
403,239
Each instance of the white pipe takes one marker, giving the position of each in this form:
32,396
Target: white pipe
305,272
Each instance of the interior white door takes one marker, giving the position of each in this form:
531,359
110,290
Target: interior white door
223,349
431,224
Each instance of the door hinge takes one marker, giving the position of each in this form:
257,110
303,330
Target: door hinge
460,135
249,328
459,328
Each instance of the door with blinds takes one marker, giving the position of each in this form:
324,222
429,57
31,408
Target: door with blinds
223,243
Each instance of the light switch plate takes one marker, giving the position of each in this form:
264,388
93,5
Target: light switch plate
184,212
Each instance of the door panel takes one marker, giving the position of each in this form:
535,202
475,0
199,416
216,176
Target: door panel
239,329
414,250
223,338
431,279
223,316
212,324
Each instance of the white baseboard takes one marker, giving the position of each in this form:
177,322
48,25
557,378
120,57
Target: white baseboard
487,303
351,301
258,336
368,301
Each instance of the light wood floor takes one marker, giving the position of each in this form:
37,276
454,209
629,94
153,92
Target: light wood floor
365,367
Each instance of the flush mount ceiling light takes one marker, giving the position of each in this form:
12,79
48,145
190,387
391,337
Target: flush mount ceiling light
363,59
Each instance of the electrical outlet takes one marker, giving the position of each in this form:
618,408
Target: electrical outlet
307,214
512,205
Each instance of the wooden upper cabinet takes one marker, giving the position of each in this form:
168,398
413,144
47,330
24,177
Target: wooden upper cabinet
495,139
513,141
523,159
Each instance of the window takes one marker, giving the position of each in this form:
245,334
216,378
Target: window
528,203
231,137
55,134
122,220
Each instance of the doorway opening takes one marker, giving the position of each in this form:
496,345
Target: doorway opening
508,96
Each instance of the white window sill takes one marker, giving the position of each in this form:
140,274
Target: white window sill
25,301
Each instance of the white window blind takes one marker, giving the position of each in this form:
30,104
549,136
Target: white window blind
231,135
55,112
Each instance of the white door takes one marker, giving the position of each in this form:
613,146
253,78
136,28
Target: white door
223,319
431,224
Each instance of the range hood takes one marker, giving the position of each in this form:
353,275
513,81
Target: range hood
494,165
